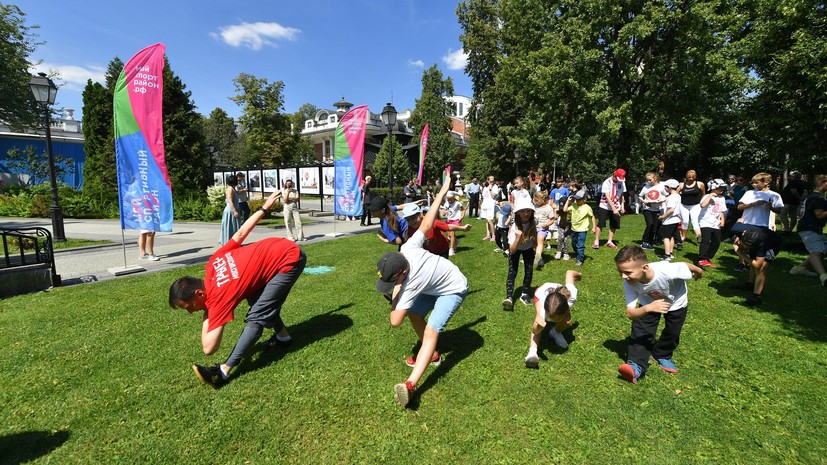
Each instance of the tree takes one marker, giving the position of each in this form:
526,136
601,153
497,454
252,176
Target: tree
401,169
35,164
266,127
187,156
17,42
432,109
220,132
100,178
786,48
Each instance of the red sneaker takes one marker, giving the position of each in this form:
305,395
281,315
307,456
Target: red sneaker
435,360
706,263
402,393
611,245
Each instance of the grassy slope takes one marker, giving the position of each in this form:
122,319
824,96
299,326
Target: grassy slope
101,373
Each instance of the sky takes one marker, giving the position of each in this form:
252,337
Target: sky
367,51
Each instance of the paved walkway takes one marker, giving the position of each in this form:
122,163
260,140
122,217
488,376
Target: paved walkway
187,244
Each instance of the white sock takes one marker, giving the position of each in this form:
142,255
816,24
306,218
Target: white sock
224,374
283,338
532,352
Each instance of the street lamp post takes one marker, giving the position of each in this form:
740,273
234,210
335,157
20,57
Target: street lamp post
45,92
389,120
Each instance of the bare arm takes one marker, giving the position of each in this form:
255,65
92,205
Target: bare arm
573,276
210,340
229,196
428,221
253,220
658,306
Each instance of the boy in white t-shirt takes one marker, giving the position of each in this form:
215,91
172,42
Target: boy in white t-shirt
552,302
417,282
652,290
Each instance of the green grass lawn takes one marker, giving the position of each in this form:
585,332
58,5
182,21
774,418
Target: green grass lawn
100,373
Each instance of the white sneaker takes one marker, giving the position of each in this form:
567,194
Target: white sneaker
548,247
801,271
558,255
566,256
498,250
558,339
153,257
451,252
532,361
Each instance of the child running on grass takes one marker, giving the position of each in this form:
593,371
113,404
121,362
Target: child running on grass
522,238
711,219
552,302
545,216
418,282
652,290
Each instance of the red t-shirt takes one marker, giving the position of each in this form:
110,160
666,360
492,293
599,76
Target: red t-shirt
435,241
234,273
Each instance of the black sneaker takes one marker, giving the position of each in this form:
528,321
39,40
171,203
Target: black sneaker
753,300
741,267
679,246
210,375
646,246
526,299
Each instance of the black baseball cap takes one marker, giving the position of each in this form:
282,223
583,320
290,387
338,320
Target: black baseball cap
389,267
378,203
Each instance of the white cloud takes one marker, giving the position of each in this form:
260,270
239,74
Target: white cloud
72,77
416,63
456,60
255,35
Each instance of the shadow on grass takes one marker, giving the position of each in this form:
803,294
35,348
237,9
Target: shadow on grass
460,344
795,299
305,333
618,346
27,446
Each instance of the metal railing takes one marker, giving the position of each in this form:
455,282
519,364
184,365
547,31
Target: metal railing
28,246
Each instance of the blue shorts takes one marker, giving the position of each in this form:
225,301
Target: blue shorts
814,242
443,306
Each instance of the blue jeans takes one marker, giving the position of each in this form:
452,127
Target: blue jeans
444,307
578,240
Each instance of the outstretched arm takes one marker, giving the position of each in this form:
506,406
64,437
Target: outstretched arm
253,220
428,221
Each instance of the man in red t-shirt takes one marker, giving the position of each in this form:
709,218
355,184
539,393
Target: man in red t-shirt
435,241
262,273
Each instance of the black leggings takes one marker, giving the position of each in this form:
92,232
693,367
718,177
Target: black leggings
650,234
528,266
710,241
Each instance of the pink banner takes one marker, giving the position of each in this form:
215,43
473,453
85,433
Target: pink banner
423,147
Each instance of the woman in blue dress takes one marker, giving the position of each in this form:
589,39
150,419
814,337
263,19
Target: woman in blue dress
230,221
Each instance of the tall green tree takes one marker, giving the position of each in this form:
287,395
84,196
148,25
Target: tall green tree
266,127
432,109
100,178
17,43
187,156
220,132
402,172
786,48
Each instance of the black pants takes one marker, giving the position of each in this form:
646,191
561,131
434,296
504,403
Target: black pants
501,237
245,211
642,342
710,241
474,204
528,266
650,234
365,215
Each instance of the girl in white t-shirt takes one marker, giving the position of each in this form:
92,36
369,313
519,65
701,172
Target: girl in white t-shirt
522,238
670,218
552,302
545,217
711,220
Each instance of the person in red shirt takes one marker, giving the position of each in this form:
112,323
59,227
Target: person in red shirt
435,241
262,273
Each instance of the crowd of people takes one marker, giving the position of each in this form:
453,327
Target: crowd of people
527,218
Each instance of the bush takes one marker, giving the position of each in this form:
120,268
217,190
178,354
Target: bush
216,196
196,209
255,204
